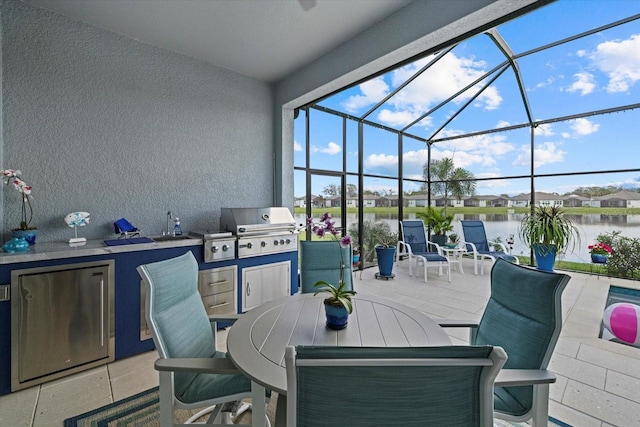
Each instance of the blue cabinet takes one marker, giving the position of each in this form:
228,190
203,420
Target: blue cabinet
126,294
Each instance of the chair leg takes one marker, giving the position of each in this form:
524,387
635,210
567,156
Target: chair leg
540,409
166,399
258,406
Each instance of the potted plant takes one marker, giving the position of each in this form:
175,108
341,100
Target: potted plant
599,252
25,230
454,239
385,241
337,306
548,231
438,222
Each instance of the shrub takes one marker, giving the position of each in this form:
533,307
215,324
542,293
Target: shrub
625,256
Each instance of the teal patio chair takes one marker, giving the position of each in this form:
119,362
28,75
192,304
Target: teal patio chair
476,244
524,317
414,243
391,386
193,374
322,260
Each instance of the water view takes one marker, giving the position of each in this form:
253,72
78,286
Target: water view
497,225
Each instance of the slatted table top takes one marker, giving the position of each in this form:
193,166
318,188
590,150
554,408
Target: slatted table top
256,342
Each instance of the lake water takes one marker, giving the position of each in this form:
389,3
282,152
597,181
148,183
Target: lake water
590,226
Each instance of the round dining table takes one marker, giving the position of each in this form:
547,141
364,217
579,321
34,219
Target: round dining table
256,342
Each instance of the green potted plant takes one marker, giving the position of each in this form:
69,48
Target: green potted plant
338,305
453,241
548,231
439,222
385,241
25,230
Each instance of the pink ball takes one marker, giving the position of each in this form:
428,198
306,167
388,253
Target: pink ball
623,321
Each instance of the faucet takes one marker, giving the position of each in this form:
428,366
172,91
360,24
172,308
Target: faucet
169,218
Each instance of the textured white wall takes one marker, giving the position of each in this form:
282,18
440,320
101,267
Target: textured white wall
104,124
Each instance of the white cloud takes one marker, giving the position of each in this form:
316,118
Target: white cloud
332,148
397,118
585,83
503,124
382,162
450,74
545,153
544,129
584,126
620,60
549,81
413,163
372,92
297,146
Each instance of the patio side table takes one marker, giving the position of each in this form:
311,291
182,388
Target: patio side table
454,255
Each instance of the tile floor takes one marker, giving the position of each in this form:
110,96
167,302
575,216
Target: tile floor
598,381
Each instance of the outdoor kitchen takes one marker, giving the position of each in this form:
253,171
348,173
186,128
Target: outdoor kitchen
249,260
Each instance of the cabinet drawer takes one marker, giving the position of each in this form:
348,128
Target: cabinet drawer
211,282
221,303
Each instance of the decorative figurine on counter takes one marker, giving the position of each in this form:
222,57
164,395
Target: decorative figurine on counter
75,220
17,244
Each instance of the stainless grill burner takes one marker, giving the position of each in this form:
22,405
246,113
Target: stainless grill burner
260,231
217,246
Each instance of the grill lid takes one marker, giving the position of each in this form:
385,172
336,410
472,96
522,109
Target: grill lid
251,221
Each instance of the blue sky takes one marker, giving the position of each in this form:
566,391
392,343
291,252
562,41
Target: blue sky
596,72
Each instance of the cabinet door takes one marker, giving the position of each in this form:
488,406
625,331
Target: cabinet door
264,283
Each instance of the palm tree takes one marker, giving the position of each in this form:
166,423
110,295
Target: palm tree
446,179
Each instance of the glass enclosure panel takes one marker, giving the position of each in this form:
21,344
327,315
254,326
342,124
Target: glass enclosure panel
352,146
563,19
414,158
380,152
325,141
300,139
300,191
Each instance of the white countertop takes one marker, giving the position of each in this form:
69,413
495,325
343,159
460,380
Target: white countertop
55,250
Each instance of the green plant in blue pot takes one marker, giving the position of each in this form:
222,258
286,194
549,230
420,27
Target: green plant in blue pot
25,230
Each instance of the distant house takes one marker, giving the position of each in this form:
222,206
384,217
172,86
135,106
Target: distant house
574,201
369,200
300,202
621,199
480,201
541,199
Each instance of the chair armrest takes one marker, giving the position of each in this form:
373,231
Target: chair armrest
455,323
404,245
464,245
197,366
437,246
231,317
519,377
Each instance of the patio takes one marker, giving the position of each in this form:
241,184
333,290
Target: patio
598,381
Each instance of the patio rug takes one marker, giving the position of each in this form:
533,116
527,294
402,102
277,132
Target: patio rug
142,410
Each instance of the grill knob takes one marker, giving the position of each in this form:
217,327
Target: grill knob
282,241
275,243
225,248
263,243
249,245
288,241
214,249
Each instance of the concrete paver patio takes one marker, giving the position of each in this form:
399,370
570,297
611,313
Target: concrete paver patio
598,381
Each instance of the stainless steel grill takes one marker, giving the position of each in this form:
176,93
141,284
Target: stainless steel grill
260,231
218,246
